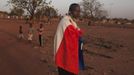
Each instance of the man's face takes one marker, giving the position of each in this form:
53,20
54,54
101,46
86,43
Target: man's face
76,12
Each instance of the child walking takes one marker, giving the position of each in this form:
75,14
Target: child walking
21,36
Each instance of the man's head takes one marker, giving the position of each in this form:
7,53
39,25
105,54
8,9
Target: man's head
74,10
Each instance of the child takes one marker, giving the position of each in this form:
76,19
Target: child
21,36
40,32
30,33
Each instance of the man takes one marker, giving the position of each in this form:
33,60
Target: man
66,43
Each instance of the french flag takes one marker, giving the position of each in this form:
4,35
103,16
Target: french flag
67,46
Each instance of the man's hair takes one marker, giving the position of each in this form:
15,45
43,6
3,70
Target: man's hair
73,6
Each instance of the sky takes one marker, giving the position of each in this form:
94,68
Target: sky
115,8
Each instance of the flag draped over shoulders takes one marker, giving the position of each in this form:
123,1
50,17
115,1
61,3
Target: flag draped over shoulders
66,44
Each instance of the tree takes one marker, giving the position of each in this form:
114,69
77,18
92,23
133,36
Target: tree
16,11
48,11
30,6
51,12
101,14
93,9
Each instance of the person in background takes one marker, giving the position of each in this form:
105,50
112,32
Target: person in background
40,33
30,33
21,36
68,43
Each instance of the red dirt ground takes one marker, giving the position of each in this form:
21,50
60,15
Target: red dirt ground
108,50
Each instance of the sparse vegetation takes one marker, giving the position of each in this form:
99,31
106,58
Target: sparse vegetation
30,6
93,9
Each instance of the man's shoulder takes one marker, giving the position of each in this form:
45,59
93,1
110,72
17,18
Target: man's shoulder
66,17
65,21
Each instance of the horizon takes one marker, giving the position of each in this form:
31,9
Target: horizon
115,8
